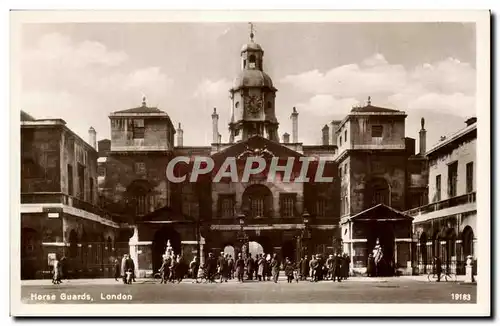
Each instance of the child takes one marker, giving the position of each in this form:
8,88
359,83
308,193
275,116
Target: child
296,275
129,276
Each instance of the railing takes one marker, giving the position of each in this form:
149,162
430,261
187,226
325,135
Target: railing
60,198
447,203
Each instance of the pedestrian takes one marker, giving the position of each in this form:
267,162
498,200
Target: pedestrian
329,267
313,268
261,266
211,267
346,262
163,271
304,268
124,268
230,267
116,269
240,267
337,265
370,266
268,267
131,266
194,266
250,266
289,268
56,272
439,269
275,268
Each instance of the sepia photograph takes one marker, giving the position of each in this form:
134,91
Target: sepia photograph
189,164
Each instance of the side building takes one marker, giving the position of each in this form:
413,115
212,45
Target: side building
60,214
446,227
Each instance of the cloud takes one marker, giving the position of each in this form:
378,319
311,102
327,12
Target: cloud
209,89
74,80
327,105
444,85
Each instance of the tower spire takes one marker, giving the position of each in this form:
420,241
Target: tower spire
251,31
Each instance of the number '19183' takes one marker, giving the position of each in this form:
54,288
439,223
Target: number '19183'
460,296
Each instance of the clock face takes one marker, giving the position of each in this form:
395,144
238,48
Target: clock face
253,103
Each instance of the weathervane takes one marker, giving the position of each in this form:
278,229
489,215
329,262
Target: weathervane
251,31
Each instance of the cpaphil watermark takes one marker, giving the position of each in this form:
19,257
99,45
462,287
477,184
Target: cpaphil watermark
289,169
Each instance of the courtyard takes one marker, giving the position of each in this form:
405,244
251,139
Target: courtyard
353,290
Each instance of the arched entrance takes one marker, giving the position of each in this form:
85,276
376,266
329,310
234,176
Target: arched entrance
161,237
229,250
468,241
30,253
255,248
288,250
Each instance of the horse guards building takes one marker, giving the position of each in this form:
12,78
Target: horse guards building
94,201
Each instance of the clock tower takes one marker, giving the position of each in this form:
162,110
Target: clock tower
252,98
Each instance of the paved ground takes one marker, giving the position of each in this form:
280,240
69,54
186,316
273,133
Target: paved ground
354,290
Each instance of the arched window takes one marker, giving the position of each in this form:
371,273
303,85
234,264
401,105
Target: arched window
141,197
257,201
251,61
468,241
269,105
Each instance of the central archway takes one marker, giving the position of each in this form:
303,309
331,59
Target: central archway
161,237
255,248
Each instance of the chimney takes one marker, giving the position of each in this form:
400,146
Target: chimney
335,125
470,121
180,138
295,125
423,136
215,126
286,138
92,138
326,135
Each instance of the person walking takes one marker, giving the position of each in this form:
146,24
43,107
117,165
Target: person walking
194,266
211,267
337,265
163,271
346,262
124,268
439,269
250,266
230,267
261,267
56,276
116,269
275,268
313,268
240,267
289,269
304,268
329,267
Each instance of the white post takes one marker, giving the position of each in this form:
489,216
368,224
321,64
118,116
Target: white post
469,276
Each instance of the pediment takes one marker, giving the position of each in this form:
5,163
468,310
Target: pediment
381,213
256,146
166,214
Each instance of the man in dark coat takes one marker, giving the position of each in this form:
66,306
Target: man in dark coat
346,261
337,265
250,263
370,266
304,268
439,269
211,267
239,264
275,268
230,267
116,269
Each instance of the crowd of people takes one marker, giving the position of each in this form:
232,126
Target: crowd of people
264,267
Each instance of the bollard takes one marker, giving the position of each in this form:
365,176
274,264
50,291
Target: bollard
469,276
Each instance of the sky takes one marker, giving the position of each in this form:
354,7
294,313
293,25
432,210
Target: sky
81,72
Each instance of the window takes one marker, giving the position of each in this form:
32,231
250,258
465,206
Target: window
438,187
140,167
377,131
257,206
226,208
101,171
345,169
141,204
340,141
287,205
346,203
91,190
321,207
345,136
237,104
269,105
251,61
138,129
70,180
470,176
340,172
452,179
81,181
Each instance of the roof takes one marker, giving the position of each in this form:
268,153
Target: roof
26,117
252,78
251,46
371,108
380,212
168,215
142,109
453,137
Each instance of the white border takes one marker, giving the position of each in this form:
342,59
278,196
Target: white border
482,20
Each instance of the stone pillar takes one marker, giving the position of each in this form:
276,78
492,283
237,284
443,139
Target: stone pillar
202,250
469,275
422,140
180,136
325,135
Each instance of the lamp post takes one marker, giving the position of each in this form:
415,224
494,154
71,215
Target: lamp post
242,236
306,233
